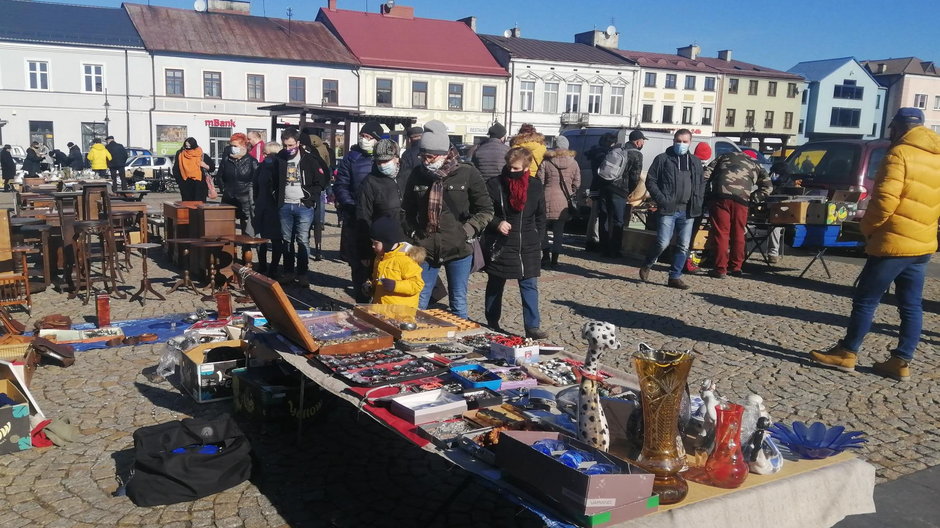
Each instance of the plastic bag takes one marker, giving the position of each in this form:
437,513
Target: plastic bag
170,357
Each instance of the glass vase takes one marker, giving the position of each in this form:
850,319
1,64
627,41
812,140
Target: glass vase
663,376
726,466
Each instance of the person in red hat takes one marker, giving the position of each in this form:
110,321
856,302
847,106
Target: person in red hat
703,151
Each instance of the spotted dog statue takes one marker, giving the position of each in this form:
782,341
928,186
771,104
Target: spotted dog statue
592,424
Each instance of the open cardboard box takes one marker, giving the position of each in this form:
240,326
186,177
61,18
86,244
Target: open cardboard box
428,406
208,381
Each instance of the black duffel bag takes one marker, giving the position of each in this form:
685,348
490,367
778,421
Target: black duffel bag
185,460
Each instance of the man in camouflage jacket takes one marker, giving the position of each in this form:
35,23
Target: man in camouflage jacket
732,179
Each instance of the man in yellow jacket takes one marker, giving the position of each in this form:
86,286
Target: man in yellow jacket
900,226
98,157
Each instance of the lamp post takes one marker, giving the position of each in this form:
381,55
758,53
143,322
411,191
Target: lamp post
107,119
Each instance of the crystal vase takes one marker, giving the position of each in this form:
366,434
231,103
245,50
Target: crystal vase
726,466
663,376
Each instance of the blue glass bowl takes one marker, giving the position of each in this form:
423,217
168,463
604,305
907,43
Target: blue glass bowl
816,440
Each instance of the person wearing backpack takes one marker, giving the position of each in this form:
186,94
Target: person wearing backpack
561,177
619,175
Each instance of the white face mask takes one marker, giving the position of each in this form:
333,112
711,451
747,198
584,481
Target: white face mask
367,144
436,164
236,151
389,168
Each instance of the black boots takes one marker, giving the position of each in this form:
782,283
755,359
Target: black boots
554,259
545,258
317,240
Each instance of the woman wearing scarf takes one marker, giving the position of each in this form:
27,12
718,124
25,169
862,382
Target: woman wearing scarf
188,168
445,205
514,240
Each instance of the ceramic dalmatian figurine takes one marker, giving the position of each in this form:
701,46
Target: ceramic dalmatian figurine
592,424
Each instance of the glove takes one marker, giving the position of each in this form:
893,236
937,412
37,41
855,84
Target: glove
388,284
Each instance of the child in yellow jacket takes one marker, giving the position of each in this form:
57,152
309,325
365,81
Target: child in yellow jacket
396,275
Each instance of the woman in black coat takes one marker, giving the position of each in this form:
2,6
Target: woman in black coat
7,166
513,240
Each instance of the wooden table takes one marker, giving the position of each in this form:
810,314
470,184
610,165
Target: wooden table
129,195
137,207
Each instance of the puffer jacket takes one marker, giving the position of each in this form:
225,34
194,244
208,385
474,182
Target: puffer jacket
401,264
351,171
558,166
517,255
467,211
661,183
489,157
236,176
534,143
99,157
901,219
409,159
76,163
379,196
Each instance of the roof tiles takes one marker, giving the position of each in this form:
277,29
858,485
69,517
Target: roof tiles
546,50
42,22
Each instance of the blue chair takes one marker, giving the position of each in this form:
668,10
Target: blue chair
820,238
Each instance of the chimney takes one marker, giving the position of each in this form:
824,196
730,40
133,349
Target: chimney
725,55
331,5
232,7
471,22
608,38
397,11
690,52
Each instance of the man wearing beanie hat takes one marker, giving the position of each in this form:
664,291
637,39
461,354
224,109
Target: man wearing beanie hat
411,157
76,161
351,171
396,276
490,156
380,195
614,211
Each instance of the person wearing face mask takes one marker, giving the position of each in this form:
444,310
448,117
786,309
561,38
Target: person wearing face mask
675,180
613,211
191,168
445,205
351,171
380,194
236,181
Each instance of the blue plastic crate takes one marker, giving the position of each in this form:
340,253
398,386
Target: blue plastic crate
820,236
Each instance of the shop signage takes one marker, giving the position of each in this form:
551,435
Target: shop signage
220,123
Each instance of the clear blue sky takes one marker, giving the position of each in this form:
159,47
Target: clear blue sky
773,34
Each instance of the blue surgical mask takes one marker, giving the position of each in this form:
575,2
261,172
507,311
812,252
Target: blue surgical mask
681,148
389,168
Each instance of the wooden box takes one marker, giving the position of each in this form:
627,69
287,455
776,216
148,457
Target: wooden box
391,318
788,212
212,220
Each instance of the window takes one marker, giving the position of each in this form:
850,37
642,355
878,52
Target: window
707,116
709,84
732,86
667,114
845,117
936,102
791,90
723,147
729,117
801,126
255,87
38,75
89,132
212,85
297,89
647,113
174,83
805,96
489,98
920,100
595,94
752,87
616,100
526,95
93,77
788,120
649,80
671,80
878,102
771,88
769,119
330,91
41,131
749,119
686,115
874,128
847,90
551,98
454,96
383,92
419,94
573,98
689,82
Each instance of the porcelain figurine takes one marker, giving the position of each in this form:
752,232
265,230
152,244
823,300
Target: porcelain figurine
592,424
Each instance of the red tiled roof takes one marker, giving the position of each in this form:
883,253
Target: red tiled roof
733,67
663,61
411,43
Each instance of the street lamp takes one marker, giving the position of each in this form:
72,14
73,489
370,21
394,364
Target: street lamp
107,120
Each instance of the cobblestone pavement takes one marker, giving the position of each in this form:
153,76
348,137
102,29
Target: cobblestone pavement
751,335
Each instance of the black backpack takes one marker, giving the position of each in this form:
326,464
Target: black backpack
188,459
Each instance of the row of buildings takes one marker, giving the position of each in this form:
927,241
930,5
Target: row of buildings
153,76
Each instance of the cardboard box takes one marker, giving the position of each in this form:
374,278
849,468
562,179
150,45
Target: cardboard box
268,394
828,213
638,242
622,514
700,239
211,380
14,421
788,212
428,406
575,492
515,355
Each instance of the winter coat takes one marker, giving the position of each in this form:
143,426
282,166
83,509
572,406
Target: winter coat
559,165
733,175
351,171
402,265
534,143
267,221
596,156
118,155
59,158
661,183
236,176
490,157
76,161
176,166
379,196
517,255
628,181
99,157
33,161
901,219
467,211
7,165
314,177
410,159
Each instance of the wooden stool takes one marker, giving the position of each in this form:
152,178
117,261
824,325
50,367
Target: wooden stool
185,282
145,285
120,221
213,274
85,231
29,232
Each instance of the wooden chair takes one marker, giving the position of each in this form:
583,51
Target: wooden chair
14,284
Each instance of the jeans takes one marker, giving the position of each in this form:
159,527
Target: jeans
667,225
557,229
908,275
729,221
295,227
529,288
610,219
458,275
773,241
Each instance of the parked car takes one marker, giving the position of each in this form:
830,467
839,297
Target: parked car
140,167
759,156
137,151
838,165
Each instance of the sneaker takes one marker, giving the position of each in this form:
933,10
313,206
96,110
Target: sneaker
645,274
837,357
894,368
774,259
715,274
736,273
536,333
678,284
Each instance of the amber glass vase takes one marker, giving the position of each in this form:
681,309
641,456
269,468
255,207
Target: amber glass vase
726,466
663,376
